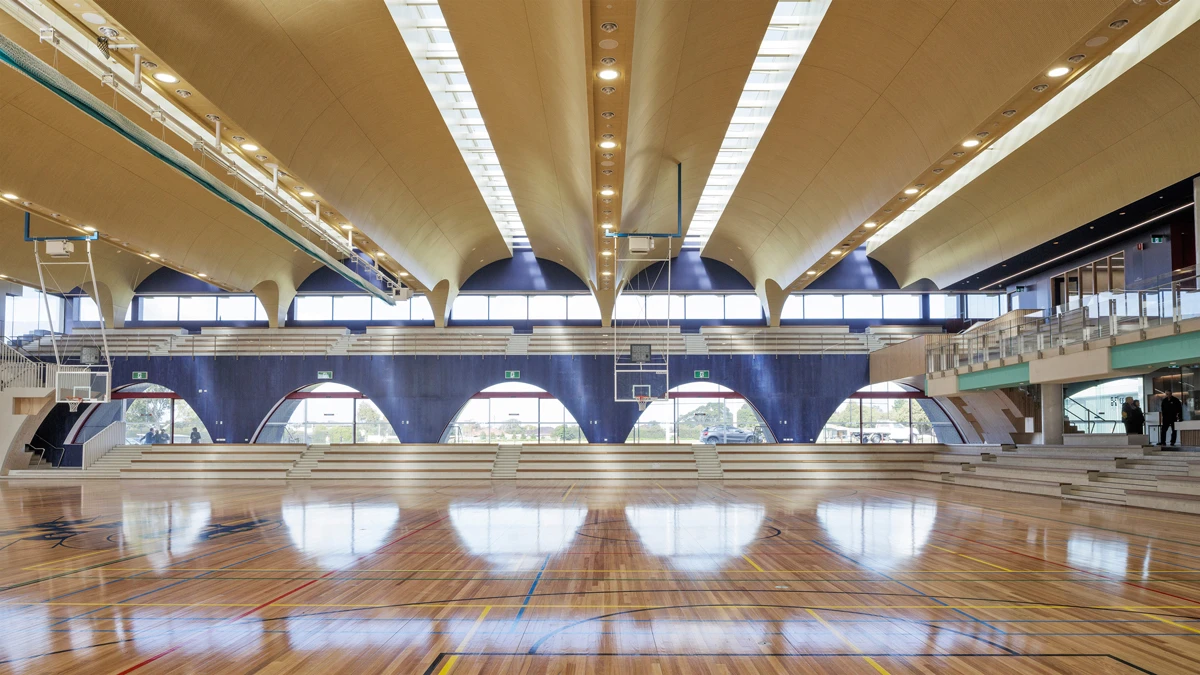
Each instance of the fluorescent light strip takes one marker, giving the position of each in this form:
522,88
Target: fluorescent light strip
1160,31
1085,247
791,30
428,39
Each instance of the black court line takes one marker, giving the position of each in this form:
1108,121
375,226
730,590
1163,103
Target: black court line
443,655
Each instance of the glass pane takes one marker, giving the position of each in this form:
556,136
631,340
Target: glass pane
88,311
743,307
901,306
508,308
314,308
885,420
842,426
260,312
984,306
420,308
630,307
705,307
582,308
236,308
793,307
470,308
381,311
352,308
822,306
373,427
547,307
858,306
148,420
943,306
656,307
188,427
160,308
198,308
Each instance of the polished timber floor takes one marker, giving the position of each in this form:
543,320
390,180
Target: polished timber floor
334,577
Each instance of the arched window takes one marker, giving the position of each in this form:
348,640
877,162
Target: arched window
326,413
513,412
152,414
701,412
889,413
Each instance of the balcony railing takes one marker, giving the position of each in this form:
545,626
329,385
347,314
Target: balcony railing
1098,316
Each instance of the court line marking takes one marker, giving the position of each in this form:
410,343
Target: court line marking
970,558
466,638
752,563
668,493
841,636
299,570
62,560
564,497
1172,623
470,603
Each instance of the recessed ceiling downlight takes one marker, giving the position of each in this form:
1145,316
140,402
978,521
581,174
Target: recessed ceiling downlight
970,143
9,195
202,275
608,74
911,191
306,193
155,255
607,192
1058,72
607,145
92,17
249,147
88,228
166,77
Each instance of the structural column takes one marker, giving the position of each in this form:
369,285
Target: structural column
1052,414
1196,216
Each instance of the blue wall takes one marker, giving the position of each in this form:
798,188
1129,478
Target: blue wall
523,272
690,272
420,395
856,272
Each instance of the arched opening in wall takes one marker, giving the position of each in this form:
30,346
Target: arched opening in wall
326,413
889,413
153,414
513,412
701,412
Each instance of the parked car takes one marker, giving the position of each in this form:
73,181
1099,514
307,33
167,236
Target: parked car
727,433
885,432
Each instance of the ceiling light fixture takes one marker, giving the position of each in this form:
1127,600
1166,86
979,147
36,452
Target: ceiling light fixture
970,143
608,144
812,272
404,274
608,74
9,195
88,228
202,275
1058,72
155,255
869,224
607,226
606,253
306,193
249,147
911,191
606,273
430,42
607,192
166,78
347,227
380,254
787,37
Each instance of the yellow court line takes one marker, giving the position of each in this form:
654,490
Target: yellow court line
841,636
969,557
756,567
1177,625
564,497
63,560
454,657
668,493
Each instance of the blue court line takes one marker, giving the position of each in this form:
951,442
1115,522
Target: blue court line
532,588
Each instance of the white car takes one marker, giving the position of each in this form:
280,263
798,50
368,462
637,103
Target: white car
886,432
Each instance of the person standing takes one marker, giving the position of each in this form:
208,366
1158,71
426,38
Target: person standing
195,436
1127,415
1138,419
1170,411
148,439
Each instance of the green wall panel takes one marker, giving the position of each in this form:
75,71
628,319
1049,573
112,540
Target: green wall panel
1005,376
1160,351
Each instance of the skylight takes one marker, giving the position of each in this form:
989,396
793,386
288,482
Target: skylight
424,30
791,30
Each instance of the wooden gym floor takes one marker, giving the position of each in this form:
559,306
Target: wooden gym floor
338,577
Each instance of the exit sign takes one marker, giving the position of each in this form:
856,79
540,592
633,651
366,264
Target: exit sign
700,374
324,374
141,375
1158,238
512,374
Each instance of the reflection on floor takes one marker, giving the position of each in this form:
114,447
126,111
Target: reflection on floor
640,577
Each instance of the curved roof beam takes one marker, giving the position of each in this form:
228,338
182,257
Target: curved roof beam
343,105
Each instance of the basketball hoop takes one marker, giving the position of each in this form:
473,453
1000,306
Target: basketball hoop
73,403
642,402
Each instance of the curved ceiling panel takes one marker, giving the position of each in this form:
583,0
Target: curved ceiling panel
330,89
690,62
884,89
527,65
1139,134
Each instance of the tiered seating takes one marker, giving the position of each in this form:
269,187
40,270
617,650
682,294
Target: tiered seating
784,462
214,461
607,461
407,462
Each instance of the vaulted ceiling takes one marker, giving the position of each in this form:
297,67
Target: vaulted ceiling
435,136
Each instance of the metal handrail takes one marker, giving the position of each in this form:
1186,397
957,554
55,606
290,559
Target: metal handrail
1102,315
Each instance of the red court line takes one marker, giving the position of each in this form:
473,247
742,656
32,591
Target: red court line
1076,569
297,589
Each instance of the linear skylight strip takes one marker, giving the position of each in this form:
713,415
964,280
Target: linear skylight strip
424,30
1160,31
788,36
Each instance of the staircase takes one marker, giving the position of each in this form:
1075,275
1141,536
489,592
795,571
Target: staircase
108,466
708,462
507,459
1139,473
308,461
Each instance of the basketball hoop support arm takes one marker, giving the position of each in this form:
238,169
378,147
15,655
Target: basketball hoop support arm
92,236
678,234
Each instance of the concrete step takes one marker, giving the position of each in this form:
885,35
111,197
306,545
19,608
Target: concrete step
1098,500
1106,477
1099,489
